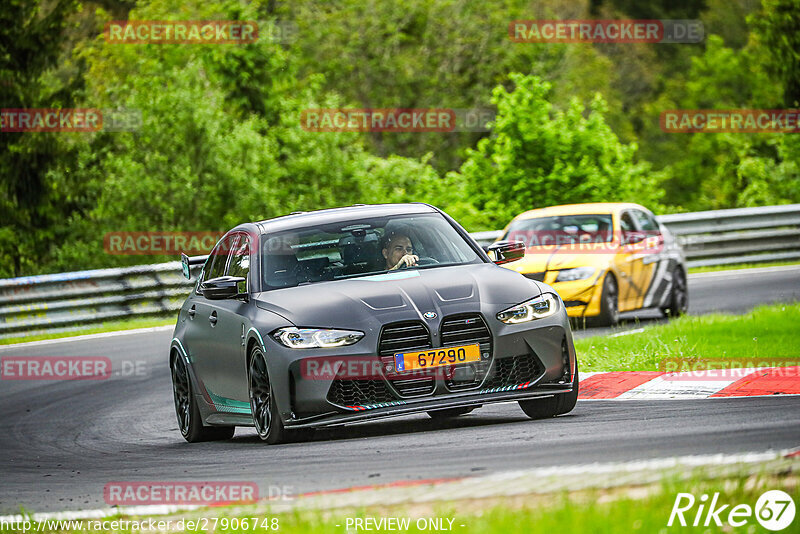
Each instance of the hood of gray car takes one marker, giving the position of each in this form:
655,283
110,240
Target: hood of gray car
396,296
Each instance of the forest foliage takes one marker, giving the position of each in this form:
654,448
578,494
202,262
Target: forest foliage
220,142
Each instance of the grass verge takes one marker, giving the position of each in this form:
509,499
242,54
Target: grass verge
110,326
631,508
768,331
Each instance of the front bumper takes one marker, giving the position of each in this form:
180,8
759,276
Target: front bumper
526,360
456,400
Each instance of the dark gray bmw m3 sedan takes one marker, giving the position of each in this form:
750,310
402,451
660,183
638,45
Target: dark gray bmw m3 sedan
344,315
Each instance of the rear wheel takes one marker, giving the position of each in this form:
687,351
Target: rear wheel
266,418
609,303
552,406
189,420
679,296
448,413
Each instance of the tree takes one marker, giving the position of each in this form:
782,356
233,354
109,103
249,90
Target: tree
777,28
538,155
30,42
220,141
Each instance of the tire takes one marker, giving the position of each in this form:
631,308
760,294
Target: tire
679,296
609,303
266,418
449,413
552,406
190,422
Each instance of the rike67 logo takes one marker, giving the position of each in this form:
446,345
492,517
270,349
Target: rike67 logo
774,510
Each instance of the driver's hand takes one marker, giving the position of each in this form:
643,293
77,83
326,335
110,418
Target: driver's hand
409,260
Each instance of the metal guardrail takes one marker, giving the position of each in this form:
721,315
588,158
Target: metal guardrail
57,302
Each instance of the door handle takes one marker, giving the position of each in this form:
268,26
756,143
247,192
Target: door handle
191,312
213,318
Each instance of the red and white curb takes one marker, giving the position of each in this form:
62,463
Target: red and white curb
717,383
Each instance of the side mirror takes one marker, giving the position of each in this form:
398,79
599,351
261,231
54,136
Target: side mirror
505,251
631,237
224,287
187,263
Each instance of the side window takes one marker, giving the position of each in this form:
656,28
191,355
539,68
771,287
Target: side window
215,265
645,221
240,259
626,223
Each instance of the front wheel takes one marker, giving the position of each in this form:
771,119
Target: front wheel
266,418
552,406
189,421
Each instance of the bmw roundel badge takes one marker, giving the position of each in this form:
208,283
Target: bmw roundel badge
429,315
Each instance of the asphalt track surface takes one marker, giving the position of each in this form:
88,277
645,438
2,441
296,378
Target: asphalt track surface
62,442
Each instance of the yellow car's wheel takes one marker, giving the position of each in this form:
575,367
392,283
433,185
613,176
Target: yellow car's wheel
679,297
609,303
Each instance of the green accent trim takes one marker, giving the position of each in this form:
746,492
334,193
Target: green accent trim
259,337
383,404
223,404
183,350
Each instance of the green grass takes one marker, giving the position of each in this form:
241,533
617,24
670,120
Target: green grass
714,268
624,510
110,326
769,331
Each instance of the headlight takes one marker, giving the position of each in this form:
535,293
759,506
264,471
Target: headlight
542,306
579,273
315,338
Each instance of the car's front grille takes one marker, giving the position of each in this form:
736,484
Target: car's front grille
539,277
466,329
403,337
348,393
515,371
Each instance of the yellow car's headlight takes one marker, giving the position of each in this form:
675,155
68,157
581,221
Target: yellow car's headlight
579,273
540,307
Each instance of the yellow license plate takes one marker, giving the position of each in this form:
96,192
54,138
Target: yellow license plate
409,361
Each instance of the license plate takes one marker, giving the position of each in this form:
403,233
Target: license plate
426,359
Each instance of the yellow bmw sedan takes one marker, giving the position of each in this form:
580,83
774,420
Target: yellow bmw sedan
602,259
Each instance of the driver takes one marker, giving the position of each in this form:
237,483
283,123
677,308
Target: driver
399,252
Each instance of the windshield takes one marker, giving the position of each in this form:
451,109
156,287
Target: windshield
561,230
361,247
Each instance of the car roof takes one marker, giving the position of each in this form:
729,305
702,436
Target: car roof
579,209
344,214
